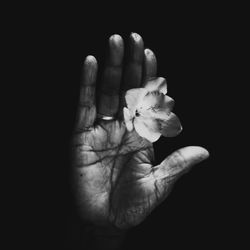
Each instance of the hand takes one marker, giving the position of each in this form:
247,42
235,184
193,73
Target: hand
115,181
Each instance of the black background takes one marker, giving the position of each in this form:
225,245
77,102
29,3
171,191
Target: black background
195,51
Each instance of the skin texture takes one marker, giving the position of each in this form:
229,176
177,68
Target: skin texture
115,181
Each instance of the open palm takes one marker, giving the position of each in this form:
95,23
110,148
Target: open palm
115,180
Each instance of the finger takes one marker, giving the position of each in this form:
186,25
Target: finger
180,162
110,86
86,110
133,69
132,77
150,65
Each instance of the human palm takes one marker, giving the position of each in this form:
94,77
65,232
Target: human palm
114,176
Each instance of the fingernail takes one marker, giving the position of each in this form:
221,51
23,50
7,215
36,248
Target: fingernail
148,52
206,153
115,38
136,36
90,59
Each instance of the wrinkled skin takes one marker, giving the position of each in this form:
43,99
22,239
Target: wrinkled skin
114,178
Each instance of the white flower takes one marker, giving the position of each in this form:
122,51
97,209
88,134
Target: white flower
149,111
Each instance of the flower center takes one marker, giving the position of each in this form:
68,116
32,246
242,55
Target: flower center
137,113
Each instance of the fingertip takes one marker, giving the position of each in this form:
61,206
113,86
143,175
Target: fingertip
206,154
90,60
115,39
116,42
202,151
89,70
135,36
148,52
199,151
150,57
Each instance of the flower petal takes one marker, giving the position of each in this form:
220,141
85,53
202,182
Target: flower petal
156,84
156,105
133,97
170,127
147,128
127,119
151,100
167,103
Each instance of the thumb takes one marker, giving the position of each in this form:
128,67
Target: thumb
180,162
